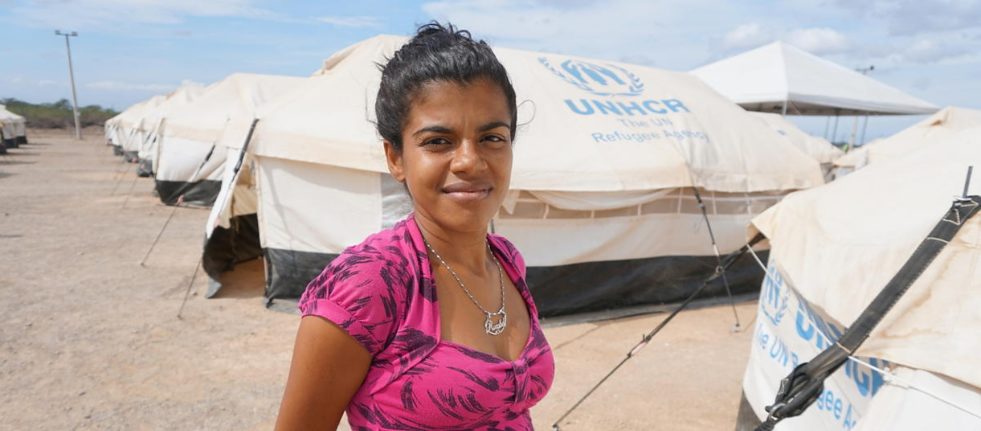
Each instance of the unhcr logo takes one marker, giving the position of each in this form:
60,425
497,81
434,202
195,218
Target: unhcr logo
609,80
773,296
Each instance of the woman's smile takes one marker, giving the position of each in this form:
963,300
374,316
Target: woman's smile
465,192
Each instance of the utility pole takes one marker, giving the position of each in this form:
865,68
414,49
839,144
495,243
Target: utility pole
71,78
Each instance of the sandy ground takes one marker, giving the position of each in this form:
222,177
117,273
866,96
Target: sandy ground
89,339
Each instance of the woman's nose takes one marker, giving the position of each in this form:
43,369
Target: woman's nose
467,158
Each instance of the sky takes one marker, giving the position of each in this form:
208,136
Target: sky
130,50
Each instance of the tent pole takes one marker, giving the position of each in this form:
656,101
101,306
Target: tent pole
834,134
827,124
864,126
851,138
784,112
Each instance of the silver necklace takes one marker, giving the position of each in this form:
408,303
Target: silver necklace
494,322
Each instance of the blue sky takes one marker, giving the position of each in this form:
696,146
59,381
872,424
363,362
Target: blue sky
129,50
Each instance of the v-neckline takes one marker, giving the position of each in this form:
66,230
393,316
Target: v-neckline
512,275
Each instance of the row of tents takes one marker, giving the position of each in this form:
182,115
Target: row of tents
13,130
628,182
608,173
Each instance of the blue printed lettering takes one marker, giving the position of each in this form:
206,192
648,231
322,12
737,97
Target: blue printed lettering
606,107
630,108
649,104
675,105
587,109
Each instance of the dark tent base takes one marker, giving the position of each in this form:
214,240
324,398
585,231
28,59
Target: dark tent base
131,156
10,143
565,289
21,140
117,150
3,147
228,247
200,193
145,168
746,419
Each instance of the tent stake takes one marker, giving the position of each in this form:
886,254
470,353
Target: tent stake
187,293
145,256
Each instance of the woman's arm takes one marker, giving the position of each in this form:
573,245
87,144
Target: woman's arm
328,368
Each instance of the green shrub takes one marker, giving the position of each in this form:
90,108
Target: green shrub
58,115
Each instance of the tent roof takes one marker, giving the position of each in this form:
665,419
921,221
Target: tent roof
131,116
935,129
9,116
584,125
238,96
818,148
763,79
839,244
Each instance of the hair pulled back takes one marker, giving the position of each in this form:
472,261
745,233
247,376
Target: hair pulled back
436,53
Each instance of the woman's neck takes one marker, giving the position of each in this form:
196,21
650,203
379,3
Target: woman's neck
464,249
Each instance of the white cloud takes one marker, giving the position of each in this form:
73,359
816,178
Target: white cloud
818,41
906,18
351,21
746,36
111,14
931,51
130,86
671,35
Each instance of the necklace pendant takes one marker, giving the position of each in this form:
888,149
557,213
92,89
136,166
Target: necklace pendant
495,328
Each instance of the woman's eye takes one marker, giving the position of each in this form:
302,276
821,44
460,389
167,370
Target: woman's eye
437,142
494,139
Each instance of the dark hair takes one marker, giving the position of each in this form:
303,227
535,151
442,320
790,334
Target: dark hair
436,53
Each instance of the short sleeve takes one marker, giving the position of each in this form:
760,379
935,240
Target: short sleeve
356,292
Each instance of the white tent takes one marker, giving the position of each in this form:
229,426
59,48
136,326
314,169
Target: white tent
938,128
833,248
818,148
13,127
607,157
189,160
781,78
119,129
152,119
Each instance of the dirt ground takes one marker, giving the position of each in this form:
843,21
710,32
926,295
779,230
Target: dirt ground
90,339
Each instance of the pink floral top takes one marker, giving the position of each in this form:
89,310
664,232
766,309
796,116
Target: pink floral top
382,293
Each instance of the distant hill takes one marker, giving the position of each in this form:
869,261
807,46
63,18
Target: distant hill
57,115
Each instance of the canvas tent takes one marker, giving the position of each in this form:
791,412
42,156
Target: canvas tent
127,130
935,129
189,159
13,127
153,118
833,249
818,148
782,78
607,156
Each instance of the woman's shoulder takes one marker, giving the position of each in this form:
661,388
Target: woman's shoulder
379,265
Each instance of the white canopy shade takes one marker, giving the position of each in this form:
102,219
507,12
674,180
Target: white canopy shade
779,75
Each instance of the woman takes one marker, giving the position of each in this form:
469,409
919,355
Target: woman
428,325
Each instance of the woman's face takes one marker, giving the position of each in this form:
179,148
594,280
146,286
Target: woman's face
456,153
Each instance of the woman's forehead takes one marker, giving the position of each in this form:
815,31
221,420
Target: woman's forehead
448,103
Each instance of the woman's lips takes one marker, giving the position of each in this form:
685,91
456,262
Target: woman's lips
467,192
